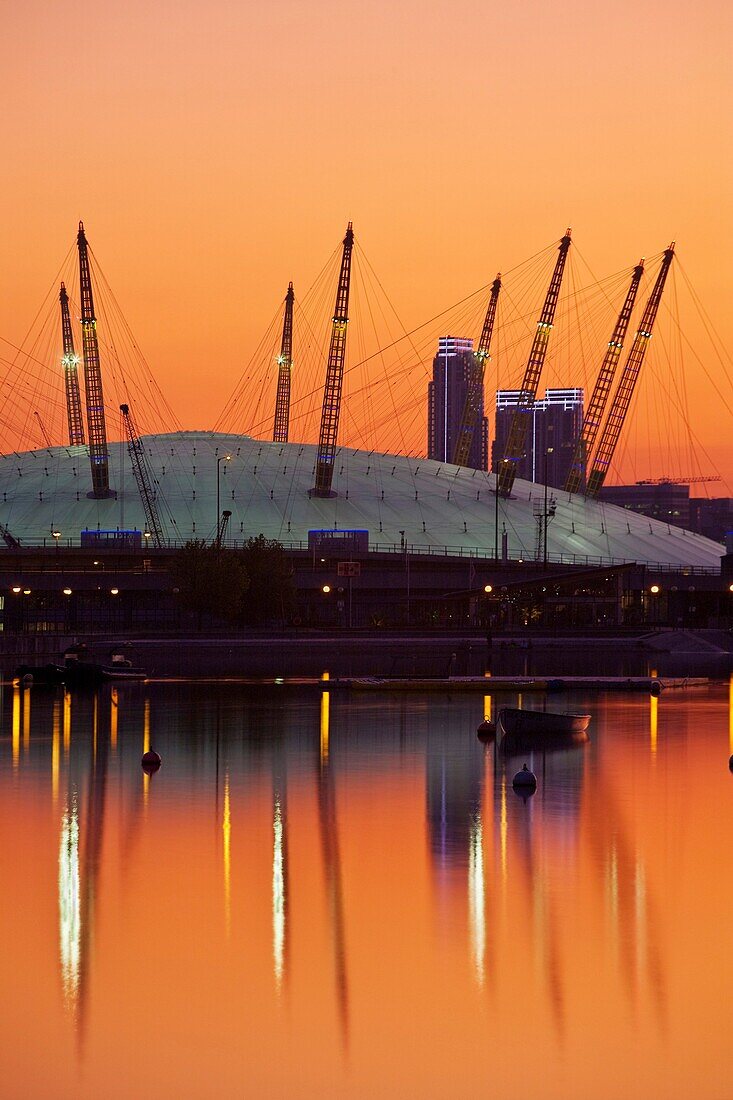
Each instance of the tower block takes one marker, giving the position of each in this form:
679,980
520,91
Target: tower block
597,407
334,377
98,454
528,393
284,373
70,361
629,376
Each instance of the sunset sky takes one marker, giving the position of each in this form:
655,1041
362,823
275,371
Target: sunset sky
216,151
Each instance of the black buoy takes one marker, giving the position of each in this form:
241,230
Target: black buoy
730,763
526,780
656,688
151,761
486,730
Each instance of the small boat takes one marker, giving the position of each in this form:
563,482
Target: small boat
537,729
78,671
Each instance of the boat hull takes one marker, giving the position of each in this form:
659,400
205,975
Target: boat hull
525,730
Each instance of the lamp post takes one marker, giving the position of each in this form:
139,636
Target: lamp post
56,535
222,458
545,513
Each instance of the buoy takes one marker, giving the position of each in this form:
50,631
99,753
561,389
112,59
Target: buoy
656,688
151,761
28,678
730,763
486,730
525,778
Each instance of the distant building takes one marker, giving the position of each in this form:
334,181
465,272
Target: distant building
712,518
555,421
452,368
665,501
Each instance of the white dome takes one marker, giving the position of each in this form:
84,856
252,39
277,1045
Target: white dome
265,485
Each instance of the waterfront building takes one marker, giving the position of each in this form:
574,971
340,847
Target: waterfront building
665,501
452,368
555,424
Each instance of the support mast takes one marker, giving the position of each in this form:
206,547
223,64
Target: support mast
528,393
285,369
70,361
594,416
136,450
625,389
334,377
98,456
475,391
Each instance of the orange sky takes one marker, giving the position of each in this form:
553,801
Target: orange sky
216,151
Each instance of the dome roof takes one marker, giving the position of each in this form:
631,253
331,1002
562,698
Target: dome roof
438,506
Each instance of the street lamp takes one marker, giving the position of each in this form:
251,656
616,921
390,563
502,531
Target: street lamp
545,513
488,588
220,459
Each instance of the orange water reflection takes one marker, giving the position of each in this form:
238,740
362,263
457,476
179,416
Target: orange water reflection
348,898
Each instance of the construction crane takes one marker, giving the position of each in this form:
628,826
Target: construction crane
98,456
597,406
331,410
475,390
679,480
8,538
284,371
528,393
136,450
70,361
624,392
221,527
41,425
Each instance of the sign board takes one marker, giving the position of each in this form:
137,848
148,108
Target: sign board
349,568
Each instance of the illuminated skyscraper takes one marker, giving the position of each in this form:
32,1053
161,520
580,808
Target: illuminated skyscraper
452,369
554,426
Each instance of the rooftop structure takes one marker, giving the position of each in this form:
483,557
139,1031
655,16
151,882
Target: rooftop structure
414,503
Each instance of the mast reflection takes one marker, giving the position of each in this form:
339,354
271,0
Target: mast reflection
332,866
69,904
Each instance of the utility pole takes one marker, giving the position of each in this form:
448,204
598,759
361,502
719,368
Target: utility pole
597,406
70,361
331,410
98,455
475,390
284,372
622,397
528,393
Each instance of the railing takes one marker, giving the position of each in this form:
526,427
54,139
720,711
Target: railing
445,550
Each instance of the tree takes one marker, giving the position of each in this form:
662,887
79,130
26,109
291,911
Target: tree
210,581
270,594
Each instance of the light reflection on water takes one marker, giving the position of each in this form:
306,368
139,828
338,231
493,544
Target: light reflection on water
343,895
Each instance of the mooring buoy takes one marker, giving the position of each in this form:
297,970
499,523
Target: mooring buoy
525,779
486,730
151,761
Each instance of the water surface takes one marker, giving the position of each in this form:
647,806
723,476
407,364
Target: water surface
343,896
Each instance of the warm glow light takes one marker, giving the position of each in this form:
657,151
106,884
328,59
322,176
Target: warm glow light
16,588
114,591
16,725
69,905
226,829
67,591
653,719
476,894
488,588
278,894
326,589
654,589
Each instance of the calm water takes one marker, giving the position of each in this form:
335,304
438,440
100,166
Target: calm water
346,898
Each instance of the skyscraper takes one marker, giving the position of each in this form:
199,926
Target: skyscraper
554,426
452,368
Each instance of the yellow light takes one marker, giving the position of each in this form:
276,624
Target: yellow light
16,588
488,588
67,591
114,591
654,590
26,591
326,589
730,588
